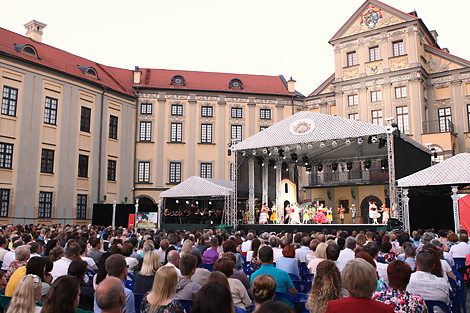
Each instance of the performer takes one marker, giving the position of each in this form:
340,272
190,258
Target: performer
263,216
385,214
320,217
341,211
311,213
353,213
295,214
306,216
373,214
273,217
287,212
329,215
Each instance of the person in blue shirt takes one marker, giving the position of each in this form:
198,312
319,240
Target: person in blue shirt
283,281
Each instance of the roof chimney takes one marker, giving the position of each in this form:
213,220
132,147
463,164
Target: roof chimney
137,74
291,85
434,34
34,30
445,50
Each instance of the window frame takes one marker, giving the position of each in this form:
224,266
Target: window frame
176,132
468,116
400,92
6,155
8,102
47,161
374,54
143,172
206,170
376,96
113,127
263,127
82,206
265,114
45,204
403,119
50,110
398,48
4,202
83,161
85,119
174,175
145,131
378,119
236,112
353,100
146,108
238,131
206,133
208,109
351,58
177,109
355,115
444,118
111,170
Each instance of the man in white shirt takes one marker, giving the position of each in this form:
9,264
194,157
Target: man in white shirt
302,252
3,245
348,253
277,252
373,251
461,249
36,249
10,256
61,267
246,245
174,260
422,282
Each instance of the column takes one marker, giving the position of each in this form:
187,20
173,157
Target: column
455,202
251,190
264,181
291,168
406,210
279,205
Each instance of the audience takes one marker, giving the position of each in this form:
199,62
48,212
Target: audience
143,280
78,269
173,258
239,293
186,289
22,254
274,307
72,252
63,296
27,293
327,286
320,254
214,297
288,262
264,289
110,295
211,255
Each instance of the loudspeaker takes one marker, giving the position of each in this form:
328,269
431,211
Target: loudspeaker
393,223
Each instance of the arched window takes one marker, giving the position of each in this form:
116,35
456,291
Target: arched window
178,80
235,84
437,154
27,50
89,71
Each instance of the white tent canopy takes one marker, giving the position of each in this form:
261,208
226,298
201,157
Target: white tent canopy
196,186
453,171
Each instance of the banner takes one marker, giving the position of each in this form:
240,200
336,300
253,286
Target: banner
148,220
130,223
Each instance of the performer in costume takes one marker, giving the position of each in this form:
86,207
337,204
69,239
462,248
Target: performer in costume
329,215
263,216
341,212
353,213
287,211
373,213
311,213
385,214
295,214
306,216
320,217
273,217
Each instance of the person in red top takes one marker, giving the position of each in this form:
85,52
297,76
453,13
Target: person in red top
360,280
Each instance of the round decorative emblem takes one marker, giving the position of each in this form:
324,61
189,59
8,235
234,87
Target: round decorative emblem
302,126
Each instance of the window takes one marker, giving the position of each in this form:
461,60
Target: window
177,80
237,113
4,202
6,155
236,132
354,116
263,127
175,172
352,58
81,206
176,132
235,84
176,109
82,165
265,114
47,161
145,131
376,96
45,204
445,119
353,100
206,133
374,54
50,111
398,48
113,127
400,92
9,100
377,117
111,170
402,119
85,119
206,170
207,111
143,172
145,108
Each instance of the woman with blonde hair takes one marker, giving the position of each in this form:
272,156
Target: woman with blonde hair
143,280
159,299
327,286
187,247
320,254
264,289
27,293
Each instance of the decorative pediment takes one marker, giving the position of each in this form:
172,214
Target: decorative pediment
370,16
325,87
438,61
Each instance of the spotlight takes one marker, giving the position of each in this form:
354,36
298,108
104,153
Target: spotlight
305,159
287,148
265,151
349,166
384,164
308,168
310,146
187,202
253,152
210,202
177,201
374,139
197,202
334,167
382,143
294,156
359,141
334,143
276,150
320,167
348,142
322,144
299,147
367,164
244,153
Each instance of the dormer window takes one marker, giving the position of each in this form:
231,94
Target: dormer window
27,49
88,71
177,80
235,84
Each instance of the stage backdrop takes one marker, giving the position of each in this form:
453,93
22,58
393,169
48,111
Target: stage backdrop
103,213
464,210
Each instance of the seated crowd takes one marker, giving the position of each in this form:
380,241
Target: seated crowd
99,269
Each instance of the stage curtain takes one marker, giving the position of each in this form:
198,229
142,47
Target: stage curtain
464,210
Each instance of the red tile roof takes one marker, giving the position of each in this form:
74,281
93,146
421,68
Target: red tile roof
113,78
211,81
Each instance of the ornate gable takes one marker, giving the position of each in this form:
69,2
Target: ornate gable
370,16
438,61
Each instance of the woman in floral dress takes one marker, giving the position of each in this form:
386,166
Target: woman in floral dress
159,299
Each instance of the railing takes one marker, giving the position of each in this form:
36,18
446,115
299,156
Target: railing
330,178
439,126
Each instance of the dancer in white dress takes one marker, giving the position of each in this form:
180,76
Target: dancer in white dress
373,214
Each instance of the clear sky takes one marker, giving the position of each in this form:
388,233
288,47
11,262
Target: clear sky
265,37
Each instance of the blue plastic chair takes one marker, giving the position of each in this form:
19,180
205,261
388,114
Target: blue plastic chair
243,258
281,296
303,270
308,277
455,296
459,262
187,305
130,276
301,300
462,289
209,267
302,286
440,304
294,277
129,285
239,310
138,297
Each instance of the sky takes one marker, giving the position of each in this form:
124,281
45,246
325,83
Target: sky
262,37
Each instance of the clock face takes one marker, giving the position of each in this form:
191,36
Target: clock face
178,80
236,84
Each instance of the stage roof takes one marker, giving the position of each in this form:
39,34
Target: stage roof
196,186
453,171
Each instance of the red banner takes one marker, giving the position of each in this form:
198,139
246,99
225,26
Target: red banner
464,210
131,220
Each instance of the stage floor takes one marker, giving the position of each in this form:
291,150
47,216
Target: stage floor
307,228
